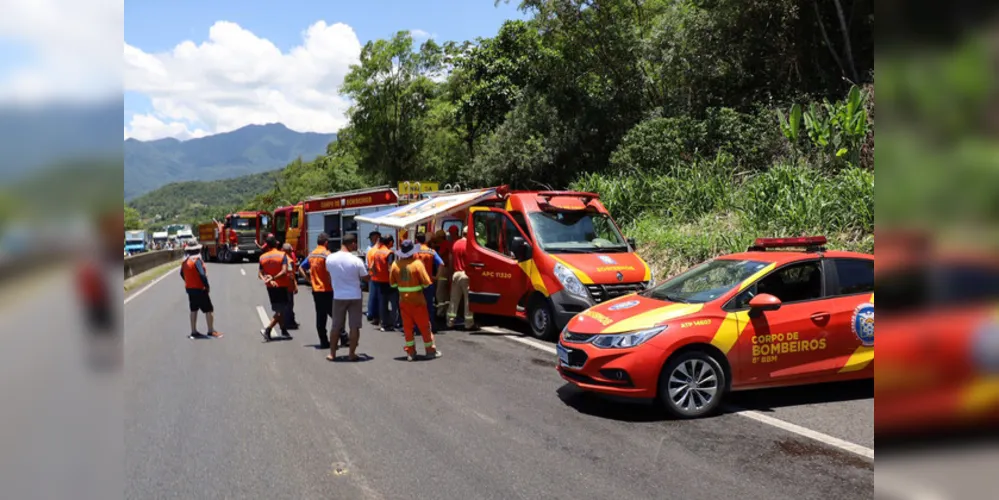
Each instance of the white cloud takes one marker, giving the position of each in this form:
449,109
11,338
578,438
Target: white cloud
237,78
73,48
420,35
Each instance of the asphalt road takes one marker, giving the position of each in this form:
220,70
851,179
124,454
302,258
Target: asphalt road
238,418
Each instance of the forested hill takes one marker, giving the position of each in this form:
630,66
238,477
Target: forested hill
248,150
193,202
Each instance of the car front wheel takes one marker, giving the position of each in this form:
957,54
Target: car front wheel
539,315
692,385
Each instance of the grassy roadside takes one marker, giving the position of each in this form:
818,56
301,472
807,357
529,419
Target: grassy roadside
144,278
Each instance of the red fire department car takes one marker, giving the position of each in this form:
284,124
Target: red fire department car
786,312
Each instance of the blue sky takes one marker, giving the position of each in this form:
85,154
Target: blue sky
159,25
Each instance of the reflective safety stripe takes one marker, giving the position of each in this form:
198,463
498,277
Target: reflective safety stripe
411,343
394,285
410,288
428,344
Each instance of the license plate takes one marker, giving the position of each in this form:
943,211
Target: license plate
563,355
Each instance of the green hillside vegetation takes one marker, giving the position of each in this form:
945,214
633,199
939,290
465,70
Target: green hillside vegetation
248,150
194,202
703,124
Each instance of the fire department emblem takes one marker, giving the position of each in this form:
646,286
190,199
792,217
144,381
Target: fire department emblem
863,323
606,259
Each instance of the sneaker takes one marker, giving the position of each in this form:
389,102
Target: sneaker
410,357
266,334
434,355
195,335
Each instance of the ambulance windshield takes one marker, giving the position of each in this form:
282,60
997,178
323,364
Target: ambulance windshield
576,232
239,223
706,282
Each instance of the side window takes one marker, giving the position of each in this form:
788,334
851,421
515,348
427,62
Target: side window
794,283
280,221
488,226
855,276
294,220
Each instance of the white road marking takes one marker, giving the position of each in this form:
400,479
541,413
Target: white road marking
805,432
147,287
242,271
263,316
754,415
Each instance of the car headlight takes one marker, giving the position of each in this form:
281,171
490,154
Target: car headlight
625,340
570,282
652,278
986,347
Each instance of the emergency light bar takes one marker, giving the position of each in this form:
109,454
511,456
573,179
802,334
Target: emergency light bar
812,243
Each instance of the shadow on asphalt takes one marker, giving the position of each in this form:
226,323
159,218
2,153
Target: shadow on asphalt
763,400
362,357
766,400
419,357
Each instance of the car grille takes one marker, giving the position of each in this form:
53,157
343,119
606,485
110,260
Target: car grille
577,358
601,293
247,241
577,338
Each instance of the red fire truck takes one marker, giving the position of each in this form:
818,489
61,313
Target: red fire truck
238,236
333,214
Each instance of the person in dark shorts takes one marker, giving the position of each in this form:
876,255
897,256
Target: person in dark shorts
192,271
274,273
346,273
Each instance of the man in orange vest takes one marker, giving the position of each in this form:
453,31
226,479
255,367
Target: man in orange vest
192,271
289,317
410,279
381,265
432,263
374,303
273,272
322,288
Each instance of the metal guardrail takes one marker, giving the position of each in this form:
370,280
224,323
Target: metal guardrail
137,264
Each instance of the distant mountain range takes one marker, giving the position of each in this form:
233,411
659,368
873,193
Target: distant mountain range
250,150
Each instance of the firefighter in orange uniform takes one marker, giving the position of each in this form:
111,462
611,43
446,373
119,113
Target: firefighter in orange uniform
410,278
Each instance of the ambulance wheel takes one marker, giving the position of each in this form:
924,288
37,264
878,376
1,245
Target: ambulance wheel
692,385
541,319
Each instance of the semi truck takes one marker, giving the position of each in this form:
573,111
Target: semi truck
238,236
135,242
160,239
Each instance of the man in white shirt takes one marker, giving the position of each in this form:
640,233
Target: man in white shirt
346,273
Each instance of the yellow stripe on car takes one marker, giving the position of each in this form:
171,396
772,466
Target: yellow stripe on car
729,331
759,274
651,318
531,270
981,395
858,360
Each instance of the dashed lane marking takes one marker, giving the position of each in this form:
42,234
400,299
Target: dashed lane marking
753,415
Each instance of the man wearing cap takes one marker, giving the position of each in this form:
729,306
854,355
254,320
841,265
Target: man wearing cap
459,284
409,277
374,302
273,272
192,271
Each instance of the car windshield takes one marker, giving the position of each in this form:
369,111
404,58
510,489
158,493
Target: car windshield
577,232
706,282
244,223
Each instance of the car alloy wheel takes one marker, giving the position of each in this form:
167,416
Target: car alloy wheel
540,317
692,385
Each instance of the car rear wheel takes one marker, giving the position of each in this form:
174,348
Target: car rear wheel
692,385
539,315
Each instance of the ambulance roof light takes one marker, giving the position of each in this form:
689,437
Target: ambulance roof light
810,243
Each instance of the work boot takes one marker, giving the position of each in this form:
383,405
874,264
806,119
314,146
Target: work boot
266,333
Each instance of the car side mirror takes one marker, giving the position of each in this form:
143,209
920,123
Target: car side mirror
522,250
763,302
631,241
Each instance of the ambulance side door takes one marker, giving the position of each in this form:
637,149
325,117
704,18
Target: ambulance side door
496,281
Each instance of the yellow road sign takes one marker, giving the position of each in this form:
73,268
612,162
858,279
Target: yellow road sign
411,187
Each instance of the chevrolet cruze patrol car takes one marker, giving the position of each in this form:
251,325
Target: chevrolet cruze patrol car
786,312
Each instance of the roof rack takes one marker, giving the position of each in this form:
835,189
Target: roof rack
351,192
809,243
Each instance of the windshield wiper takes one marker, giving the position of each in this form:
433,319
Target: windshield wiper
674,298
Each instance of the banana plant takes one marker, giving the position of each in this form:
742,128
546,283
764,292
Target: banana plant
791,126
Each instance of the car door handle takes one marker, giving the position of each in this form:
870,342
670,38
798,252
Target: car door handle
821,317
477,265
